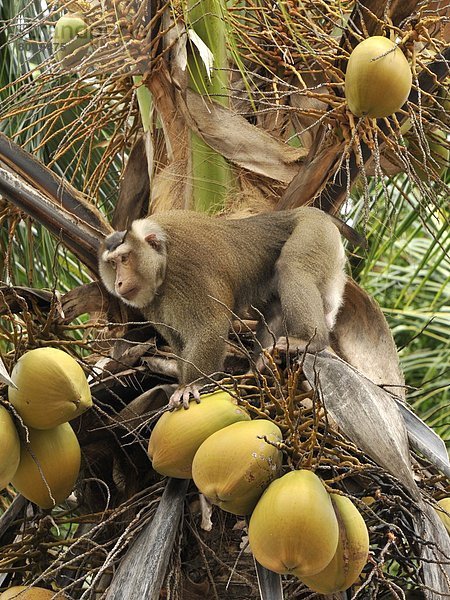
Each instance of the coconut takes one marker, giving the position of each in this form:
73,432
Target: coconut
445,504
51,388
22,592
293,528
351,553
9,447
177,435
378,78
71,39
50,463
233,466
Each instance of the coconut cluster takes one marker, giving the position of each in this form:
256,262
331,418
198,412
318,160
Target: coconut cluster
378,82
50,390
231,458
299,528
178,435
296,526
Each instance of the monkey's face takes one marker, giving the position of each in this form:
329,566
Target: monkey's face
132,265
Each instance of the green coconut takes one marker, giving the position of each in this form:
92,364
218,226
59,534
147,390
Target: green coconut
9,448
294,528
378,78
49,466
51,388
177,435
71,39
351,553
233,466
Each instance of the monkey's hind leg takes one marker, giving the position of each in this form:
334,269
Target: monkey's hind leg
302,308
311,279
333,298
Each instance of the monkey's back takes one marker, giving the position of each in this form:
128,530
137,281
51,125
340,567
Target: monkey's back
229,259
234,250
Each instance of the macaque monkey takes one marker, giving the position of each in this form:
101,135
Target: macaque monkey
185,271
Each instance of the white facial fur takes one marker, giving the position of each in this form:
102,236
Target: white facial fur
135,269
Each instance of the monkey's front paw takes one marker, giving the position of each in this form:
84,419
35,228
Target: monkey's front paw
182,395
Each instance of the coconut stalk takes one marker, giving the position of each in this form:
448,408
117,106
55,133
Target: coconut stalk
307,184
144,99
212,176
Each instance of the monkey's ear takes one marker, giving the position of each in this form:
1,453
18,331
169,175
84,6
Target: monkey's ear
150,232
153,240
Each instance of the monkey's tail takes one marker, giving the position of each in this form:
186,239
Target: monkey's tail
350,234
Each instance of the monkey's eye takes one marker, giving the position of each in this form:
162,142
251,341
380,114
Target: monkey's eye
124,258
112,262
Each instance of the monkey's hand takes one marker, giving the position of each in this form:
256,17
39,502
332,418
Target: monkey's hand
182,394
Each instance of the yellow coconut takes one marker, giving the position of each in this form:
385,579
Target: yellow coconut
21,592
351,553
233,466
51,388
50,464
71,38
9,447
445,504
294,527
378,78
177,435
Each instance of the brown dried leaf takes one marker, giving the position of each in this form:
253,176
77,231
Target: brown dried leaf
363,339
90,298
134,191
11,298
171,188
313,175
240,142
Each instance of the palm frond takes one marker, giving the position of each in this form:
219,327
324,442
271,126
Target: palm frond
407,270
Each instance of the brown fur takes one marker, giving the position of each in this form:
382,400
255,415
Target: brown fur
183,269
